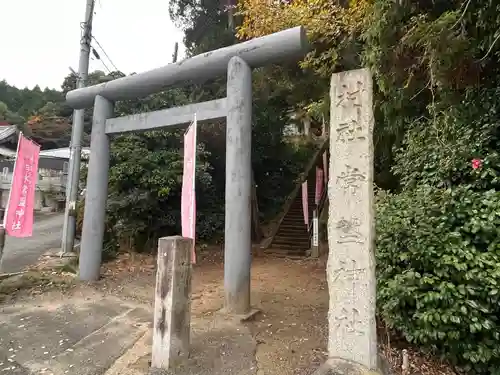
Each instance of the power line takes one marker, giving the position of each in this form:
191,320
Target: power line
105,54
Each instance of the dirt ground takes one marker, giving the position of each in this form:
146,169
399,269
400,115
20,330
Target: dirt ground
291,294
291,330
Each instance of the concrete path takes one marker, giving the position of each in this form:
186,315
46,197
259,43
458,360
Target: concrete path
105,335
79,337
22,252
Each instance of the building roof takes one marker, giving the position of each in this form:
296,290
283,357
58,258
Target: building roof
62,153
57,153
6,131
4,151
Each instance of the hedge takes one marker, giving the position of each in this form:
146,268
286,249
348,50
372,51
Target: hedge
438,260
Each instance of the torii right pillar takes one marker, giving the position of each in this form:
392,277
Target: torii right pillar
352,341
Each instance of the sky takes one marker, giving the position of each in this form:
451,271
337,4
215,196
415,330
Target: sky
40,39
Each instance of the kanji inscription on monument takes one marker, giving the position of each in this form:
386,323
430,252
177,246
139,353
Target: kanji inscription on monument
349,231
351,263
349,96
349,130
348,319
348,272
351,178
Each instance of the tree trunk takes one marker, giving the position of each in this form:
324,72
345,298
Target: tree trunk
307,127
323,126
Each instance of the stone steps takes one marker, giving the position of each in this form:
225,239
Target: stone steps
292,238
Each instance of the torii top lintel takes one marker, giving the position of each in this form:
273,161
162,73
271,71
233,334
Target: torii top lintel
290,44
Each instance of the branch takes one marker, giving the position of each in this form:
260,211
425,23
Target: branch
491,47
463,14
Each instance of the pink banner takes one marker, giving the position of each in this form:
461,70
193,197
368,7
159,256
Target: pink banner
18,221
325,168
188,198
319,185
305,203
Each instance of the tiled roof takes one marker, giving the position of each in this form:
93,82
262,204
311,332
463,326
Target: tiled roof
7,131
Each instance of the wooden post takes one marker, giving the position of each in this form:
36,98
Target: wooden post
172,312
257,230
2,242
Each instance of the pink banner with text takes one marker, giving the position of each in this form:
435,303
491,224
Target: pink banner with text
188,198
319,185
305,203
18,221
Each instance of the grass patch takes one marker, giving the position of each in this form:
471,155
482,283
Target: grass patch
31,281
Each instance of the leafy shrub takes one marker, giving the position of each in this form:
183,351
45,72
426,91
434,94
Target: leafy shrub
438,151
438,259
144,190
145,176
110,241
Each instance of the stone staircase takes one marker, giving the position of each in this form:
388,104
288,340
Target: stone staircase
293,236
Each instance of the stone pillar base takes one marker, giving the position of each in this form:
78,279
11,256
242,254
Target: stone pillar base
343,367
250,315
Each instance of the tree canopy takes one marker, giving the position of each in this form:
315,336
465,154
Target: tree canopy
437,126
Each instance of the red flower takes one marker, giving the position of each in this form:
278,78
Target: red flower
476,163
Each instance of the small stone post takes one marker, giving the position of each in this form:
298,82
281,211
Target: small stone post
172,311
315,236
352,343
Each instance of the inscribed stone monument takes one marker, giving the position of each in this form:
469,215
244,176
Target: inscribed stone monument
351,263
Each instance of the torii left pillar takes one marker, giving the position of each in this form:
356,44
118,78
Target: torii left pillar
238,220
97,192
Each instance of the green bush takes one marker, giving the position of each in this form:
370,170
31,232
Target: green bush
439,151
110,241
438,259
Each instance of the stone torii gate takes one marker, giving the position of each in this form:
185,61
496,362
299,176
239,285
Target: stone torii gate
237,61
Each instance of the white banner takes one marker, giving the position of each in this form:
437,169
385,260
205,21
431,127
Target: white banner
315,232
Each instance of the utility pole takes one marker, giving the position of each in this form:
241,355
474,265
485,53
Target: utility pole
69,227
230,14
176,52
